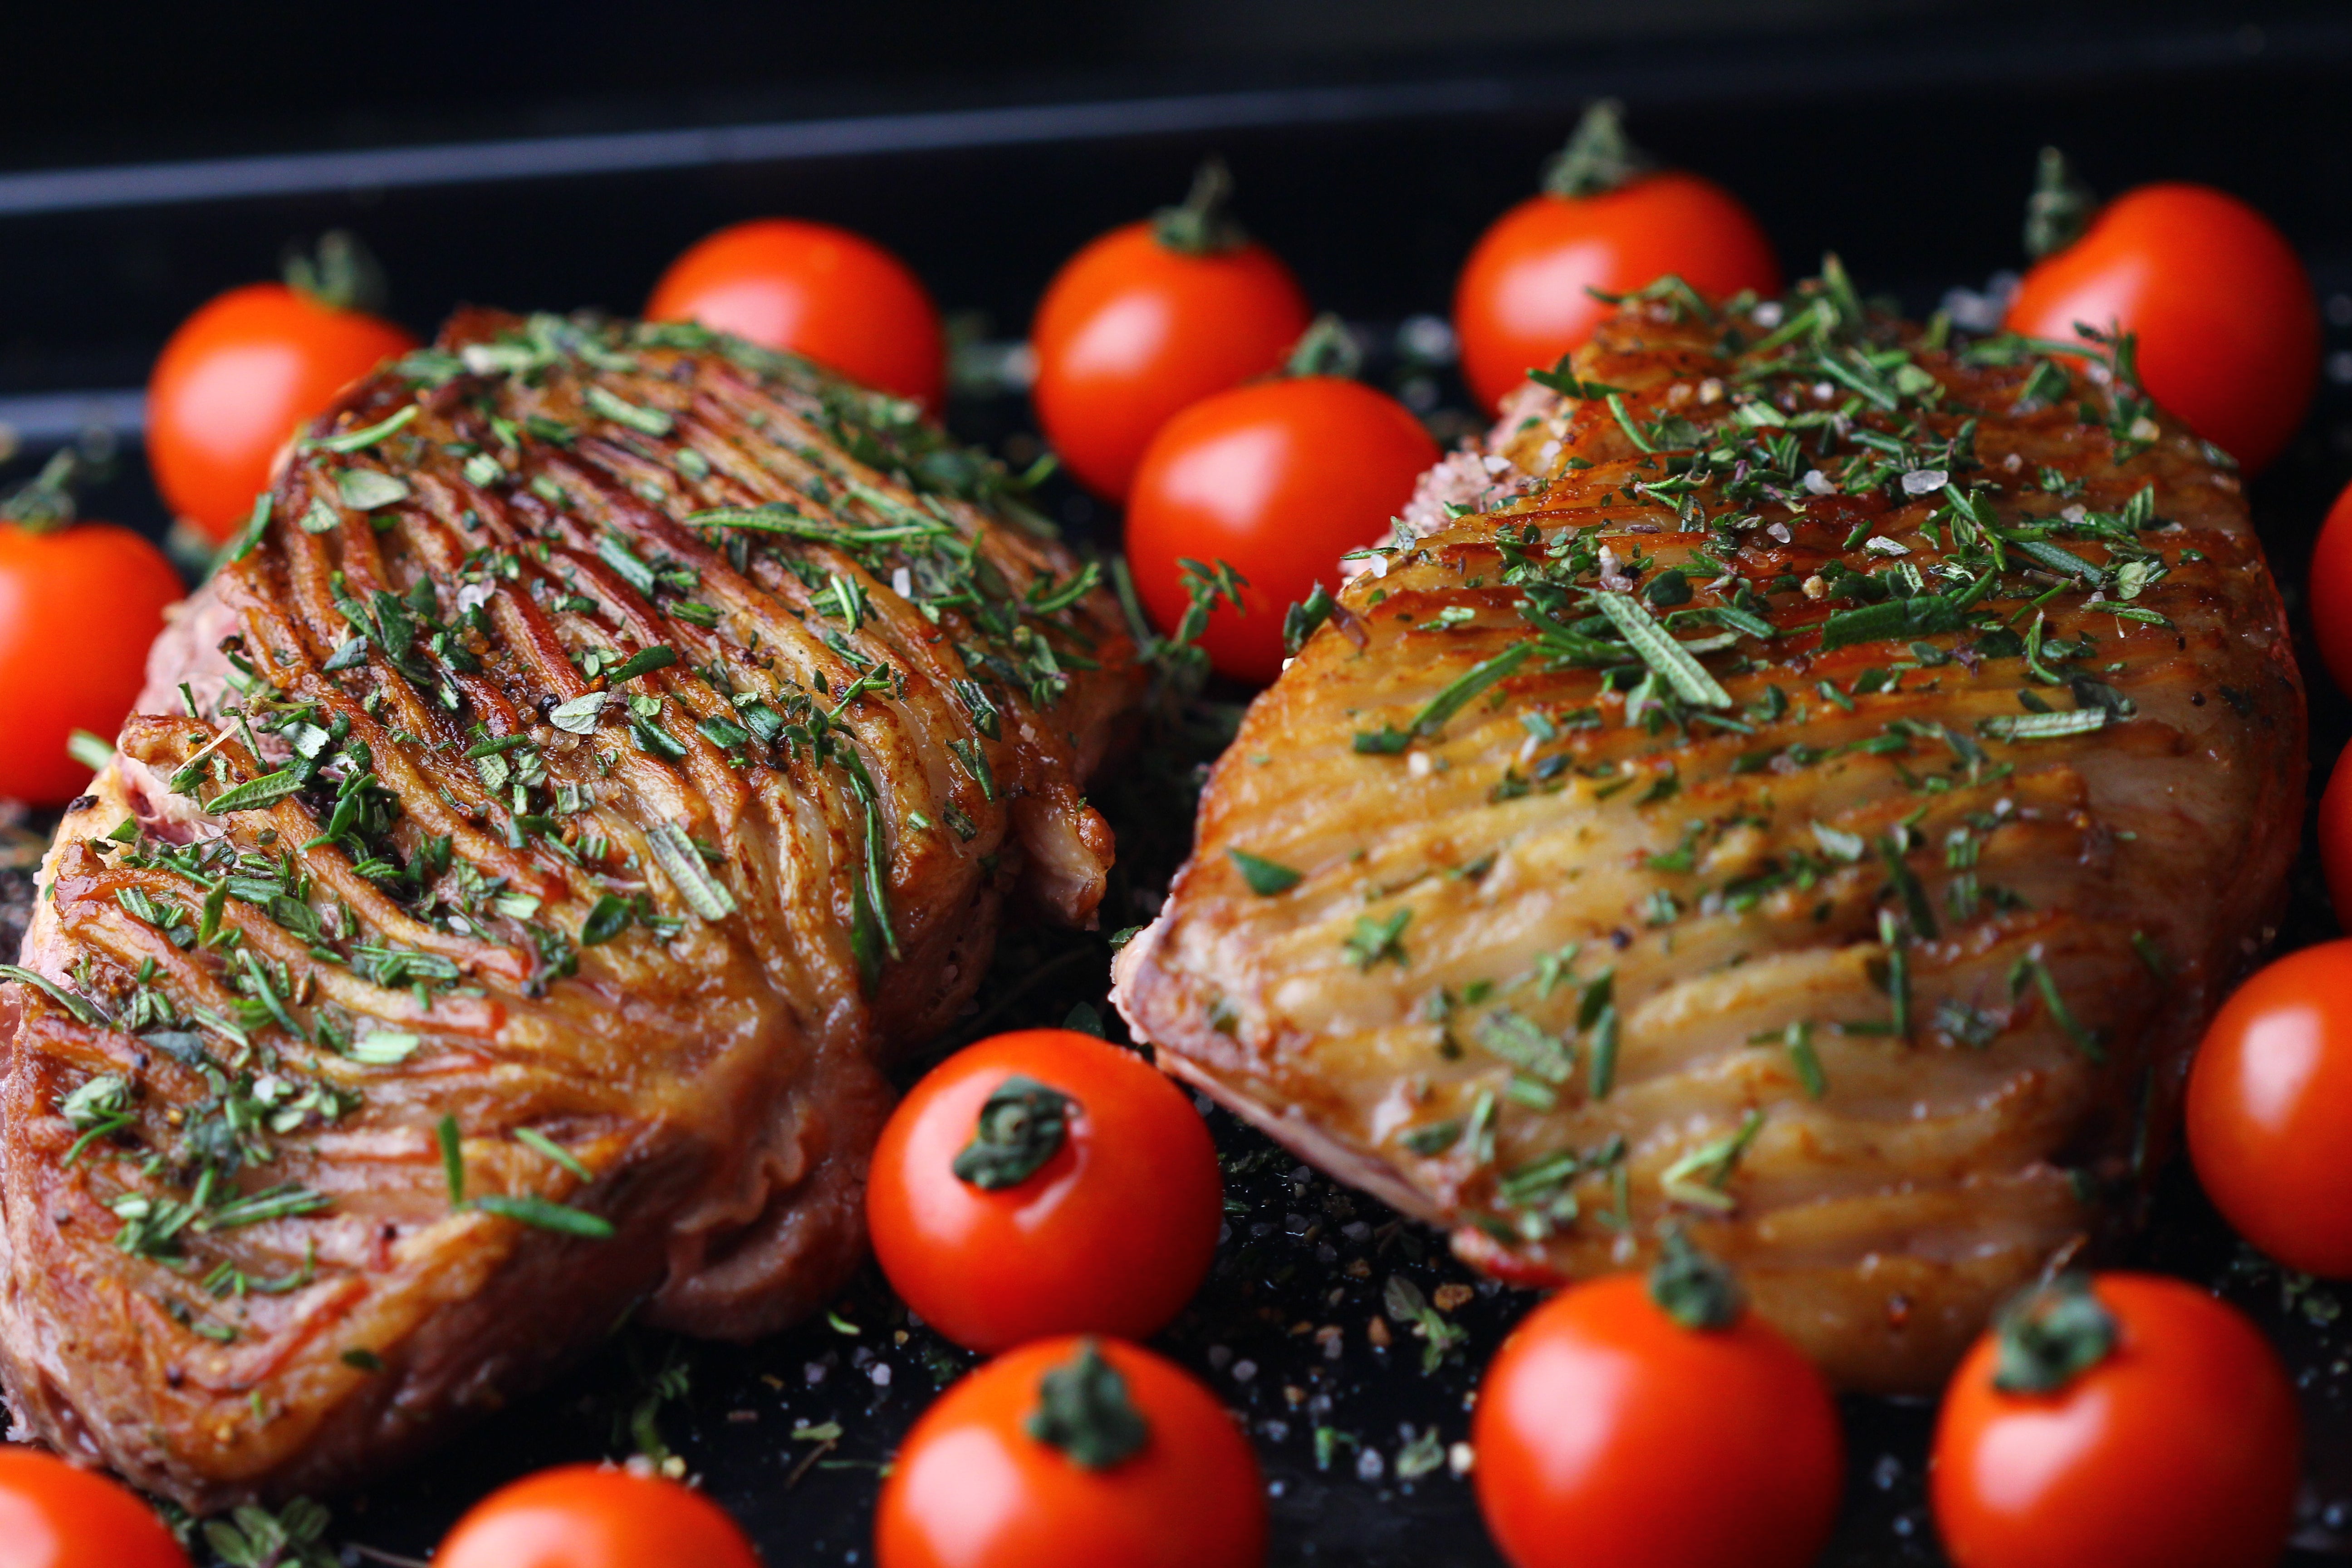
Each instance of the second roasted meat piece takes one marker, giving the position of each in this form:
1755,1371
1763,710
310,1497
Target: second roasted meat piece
1818,802
608,743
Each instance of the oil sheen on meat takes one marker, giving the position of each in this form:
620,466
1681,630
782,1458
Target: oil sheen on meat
1803,781
609,742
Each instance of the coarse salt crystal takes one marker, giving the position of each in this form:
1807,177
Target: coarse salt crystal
1919,482
1819,482
1778,530
902,583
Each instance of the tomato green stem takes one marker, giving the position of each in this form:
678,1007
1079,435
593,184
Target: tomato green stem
340,273
1598,156
2060,208
1204,223
44,503
1695,1290
1325,348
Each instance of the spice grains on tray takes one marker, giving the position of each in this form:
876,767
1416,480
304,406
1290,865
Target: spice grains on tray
607,743
1808,780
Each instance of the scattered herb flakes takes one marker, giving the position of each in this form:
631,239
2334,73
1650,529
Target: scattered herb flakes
1263,877
365,490
1377,939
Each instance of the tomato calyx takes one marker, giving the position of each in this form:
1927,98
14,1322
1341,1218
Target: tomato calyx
1695,1289
1325,348
46,502
1023,1124
1203,223
1083,1410
340,273
2060,207
1599,157
2051,1334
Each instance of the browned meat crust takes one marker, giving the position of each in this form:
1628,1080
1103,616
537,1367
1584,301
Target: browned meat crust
616,738
1866,935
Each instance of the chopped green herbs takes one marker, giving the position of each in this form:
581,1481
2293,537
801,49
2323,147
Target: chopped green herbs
1263,877
1375,940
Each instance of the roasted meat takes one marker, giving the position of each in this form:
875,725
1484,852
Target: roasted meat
1805,780
607,743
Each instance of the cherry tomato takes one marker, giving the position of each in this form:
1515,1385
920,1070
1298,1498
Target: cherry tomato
2336,837
592,1516
2228,327
1609,1435
1074,1453
56,1515
816,290
1279,480
2331,593
1044,1183
1524,297
235,382
2176,1447
79,606
2270,1103
1148,319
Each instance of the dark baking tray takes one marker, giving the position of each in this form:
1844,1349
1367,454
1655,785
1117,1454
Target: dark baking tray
1905,146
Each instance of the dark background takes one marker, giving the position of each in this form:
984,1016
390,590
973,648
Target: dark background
536,156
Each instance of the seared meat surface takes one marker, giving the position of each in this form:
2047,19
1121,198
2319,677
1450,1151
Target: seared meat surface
609,743
1818,803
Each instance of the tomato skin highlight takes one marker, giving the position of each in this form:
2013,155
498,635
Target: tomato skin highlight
1521,301
825,292
2228,325
1131,331
1280,479
1112,1235
235,382
2330,586
2127,1466
595,1516
79,608
56,1515
970,1489
2269,1110
1609,1436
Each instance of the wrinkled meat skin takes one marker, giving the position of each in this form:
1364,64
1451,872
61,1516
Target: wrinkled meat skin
1879,1224
723,1086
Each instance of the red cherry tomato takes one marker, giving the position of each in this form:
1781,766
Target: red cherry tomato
816,290
1279,480
79,606
2228,328
1111,1233
590,1515
2180,1449
1611,1435
1523,299
2336,837
2331,593
235,382
56,1515
1133,329
975,1486
2270,1107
